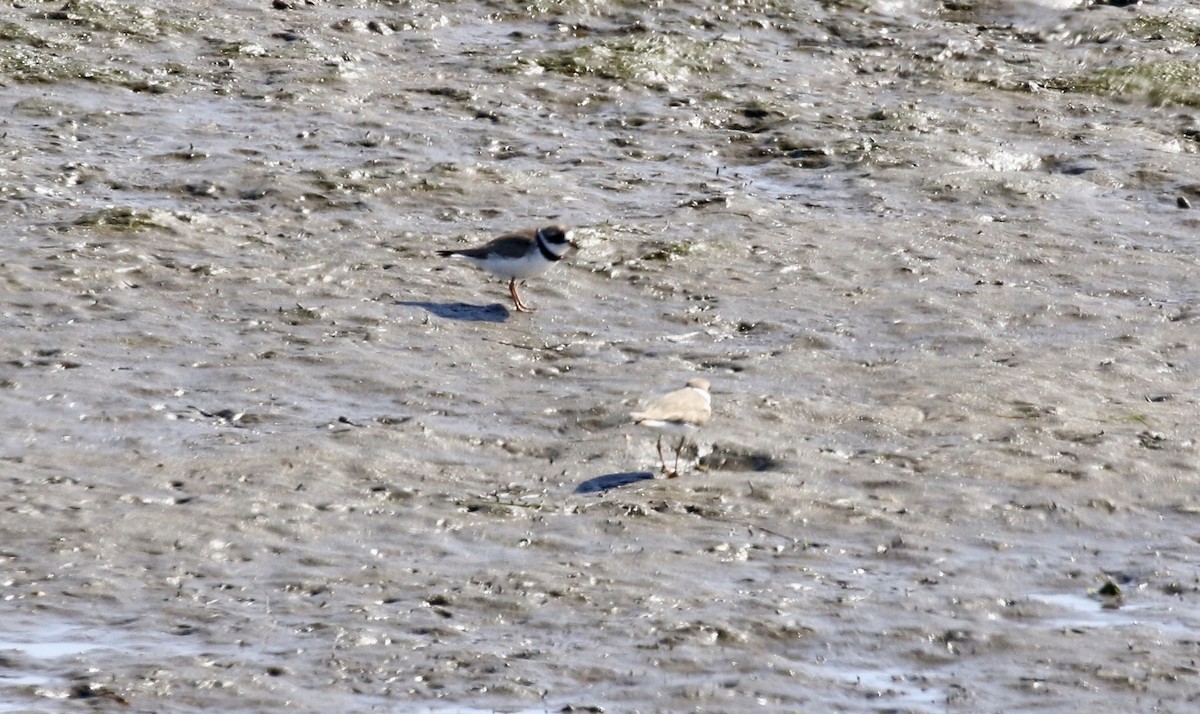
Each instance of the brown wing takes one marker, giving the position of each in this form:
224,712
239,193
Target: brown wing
684,405
513,245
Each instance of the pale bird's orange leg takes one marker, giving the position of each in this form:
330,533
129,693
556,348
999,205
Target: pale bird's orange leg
661,457
677,450
516,296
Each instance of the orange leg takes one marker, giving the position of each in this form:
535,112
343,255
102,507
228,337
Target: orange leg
677,450
662,458
516,296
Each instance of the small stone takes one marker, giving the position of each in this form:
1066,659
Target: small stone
379,28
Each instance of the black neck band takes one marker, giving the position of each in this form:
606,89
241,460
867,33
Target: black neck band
546,252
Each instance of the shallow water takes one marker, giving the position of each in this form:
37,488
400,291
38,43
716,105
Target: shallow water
262,448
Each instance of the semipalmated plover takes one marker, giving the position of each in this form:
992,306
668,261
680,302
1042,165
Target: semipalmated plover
680,412
519,255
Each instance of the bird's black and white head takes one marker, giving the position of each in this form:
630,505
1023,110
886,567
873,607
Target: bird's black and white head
554,241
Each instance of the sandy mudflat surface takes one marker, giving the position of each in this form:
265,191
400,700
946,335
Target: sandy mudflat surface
261,449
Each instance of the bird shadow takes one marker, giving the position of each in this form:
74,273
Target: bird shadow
461,310
606,482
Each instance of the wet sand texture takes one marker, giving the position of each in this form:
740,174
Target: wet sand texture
262,449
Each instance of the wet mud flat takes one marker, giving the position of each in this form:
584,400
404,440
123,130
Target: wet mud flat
262,449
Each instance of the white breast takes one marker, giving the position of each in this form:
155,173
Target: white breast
528,265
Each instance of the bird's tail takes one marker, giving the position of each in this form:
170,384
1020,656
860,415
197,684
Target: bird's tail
447,253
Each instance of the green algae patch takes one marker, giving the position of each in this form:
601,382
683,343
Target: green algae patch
1161,83
15,32
144,23
43,47
669,252
538,8
123,218
35,65
1166,28
653,60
